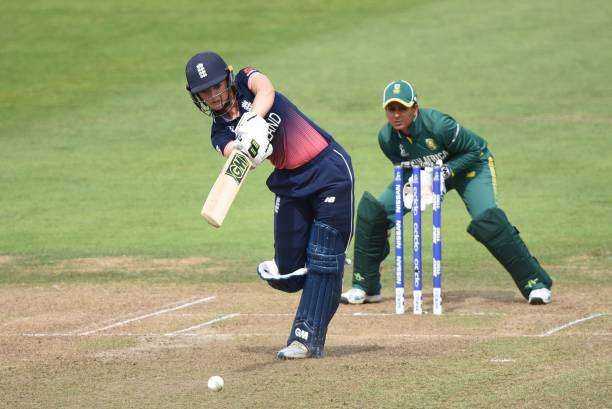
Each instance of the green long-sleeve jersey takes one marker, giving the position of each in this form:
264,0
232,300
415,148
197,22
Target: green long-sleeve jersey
434,136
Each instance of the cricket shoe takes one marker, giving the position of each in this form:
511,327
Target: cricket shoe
358,296
540,296
295,350
268,270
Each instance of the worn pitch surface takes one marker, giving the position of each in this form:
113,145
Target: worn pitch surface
155,346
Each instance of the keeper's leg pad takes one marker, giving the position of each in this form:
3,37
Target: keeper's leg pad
371,243
322,288
289,283
504,242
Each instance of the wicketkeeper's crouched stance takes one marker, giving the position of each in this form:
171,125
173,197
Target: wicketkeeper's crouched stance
312,180
421,137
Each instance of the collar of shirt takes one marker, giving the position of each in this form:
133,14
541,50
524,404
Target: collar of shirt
416,127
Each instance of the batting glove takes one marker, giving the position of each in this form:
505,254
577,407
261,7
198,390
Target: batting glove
252,137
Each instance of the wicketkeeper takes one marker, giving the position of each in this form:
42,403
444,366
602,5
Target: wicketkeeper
422,137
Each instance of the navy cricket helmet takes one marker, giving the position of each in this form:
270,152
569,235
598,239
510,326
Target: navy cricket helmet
204,70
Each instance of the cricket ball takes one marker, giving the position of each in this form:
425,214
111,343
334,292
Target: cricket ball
215,383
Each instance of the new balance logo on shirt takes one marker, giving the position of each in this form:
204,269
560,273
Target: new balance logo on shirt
330,199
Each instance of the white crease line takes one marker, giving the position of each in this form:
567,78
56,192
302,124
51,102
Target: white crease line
126,334
569,324
204,324
261,314
159,312
367,314
72,335
384,314
375,314
259,334
501,360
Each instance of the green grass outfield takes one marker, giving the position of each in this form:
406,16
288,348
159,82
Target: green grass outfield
103,154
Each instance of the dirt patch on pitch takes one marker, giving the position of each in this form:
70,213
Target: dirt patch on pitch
74,309
176,316
114,342
9,259
110,264
127,264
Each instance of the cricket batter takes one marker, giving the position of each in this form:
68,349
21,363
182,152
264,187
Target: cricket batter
312,181
417,136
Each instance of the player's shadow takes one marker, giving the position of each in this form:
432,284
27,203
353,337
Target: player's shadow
341,351
330,352
489,297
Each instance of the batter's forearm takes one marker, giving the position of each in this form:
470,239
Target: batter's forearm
229,148
263,102
264,92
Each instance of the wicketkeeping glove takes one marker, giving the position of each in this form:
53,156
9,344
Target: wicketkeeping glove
252,137
426,189
446,172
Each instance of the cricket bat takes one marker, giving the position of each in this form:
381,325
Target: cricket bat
226,187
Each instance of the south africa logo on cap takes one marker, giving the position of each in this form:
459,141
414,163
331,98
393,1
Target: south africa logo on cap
431,144
397,88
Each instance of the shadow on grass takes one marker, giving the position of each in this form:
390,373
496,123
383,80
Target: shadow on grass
457,298
347,350
331,352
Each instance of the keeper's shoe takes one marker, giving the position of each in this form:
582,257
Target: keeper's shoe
358,296
295,350
540,296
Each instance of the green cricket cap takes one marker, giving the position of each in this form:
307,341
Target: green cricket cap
400,91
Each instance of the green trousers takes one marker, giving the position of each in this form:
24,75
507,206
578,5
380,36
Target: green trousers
477,188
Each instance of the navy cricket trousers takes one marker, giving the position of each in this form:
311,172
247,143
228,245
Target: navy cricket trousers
321,190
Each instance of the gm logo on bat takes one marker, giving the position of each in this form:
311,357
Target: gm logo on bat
238,167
